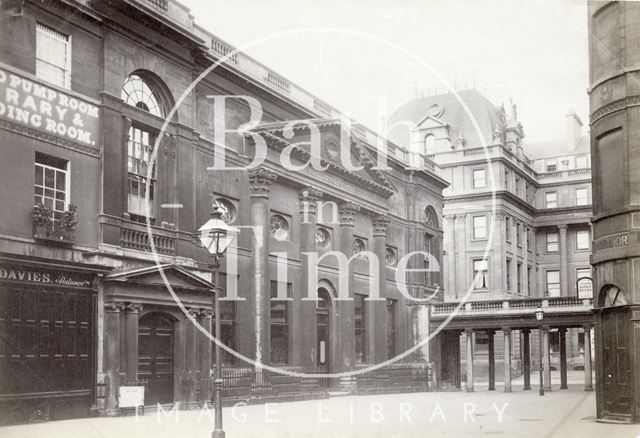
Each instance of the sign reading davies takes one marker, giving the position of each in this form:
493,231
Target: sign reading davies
26,275
37,106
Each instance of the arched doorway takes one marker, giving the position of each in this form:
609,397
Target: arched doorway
155,357
615,375
323,331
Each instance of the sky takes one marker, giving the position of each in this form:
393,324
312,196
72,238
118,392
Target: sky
355,54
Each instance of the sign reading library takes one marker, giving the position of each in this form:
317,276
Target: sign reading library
37,106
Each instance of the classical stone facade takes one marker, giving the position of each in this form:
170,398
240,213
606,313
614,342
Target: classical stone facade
97,83
615,118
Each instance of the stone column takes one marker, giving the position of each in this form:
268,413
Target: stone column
377,309
204,347
526,358
131,327
564,290
492,360
303,317
562,332
191,348
260,181
112,355
546,358
346,358
588,380
507,359
469,341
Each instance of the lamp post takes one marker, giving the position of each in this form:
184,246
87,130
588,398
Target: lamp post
540,317
215,235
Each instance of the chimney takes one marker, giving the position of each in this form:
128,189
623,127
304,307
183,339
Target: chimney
574,130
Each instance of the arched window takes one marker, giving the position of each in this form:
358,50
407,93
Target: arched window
429,144
430,217
137,92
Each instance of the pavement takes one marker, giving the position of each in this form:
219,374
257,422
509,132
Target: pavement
559,413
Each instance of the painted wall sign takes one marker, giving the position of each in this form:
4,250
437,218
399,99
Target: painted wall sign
28,275
35,105
585,287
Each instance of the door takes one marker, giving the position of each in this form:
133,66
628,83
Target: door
323,331
617,385
155,358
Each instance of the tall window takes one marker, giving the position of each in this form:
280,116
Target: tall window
517,186
360,325
551,200
279,326
51,183
479,178
552,242
429,144
583,239
553,283
53,56
519,277
480,274
507,180
529,280
138,162
227,325
518,236
391,328
480,227
507,228
508,274
429,248
528,234
582,196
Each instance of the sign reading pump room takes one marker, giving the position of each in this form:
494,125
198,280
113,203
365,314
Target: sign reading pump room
26,102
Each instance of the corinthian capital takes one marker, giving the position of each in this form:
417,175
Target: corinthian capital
260,181
348,212
309,198
380,223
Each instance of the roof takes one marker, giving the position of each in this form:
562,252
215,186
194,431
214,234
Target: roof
487,115
557,148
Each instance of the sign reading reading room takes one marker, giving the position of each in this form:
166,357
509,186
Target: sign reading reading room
37,106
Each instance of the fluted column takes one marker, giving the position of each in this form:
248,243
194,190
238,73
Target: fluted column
376,309
546,358
345,308
588,380
526,358
260,181
564,290
112,355
131,327
204,347
304,312
507,359
469,340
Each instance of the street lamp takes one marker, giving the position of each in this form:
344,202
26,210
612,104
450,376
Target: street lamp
540,317
215,235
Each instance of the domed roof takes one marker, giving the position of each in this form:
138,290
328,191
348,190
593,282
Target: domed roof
448,109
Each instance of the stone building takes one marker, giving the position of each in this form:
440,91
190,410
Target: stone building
614,53
121,178
532,239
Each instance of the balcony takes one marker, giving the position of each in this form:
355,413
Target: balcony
133,235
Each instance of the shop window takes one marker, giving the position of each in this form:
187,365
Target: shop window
141,174
553,283
391,328
360,325
53,56
51,183
279,326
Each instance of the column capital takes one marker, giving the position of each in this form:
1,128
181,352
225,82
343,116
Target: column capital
526,331
348,212
562,330
113,306
205,313
562,227
193,311
380,223
506,329
133,308
260,180
587,327
468,331
309,198
449,217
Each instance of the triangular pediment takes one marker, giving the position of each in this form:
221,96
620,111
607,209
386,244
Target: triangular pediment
360,168
430,122
177,276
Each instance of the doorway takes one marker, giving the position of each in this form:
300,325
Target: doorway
155,357
323,331
616,376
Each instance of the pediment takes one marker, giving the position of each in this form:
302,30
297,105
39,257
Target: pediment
431,122
177,276
360,169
